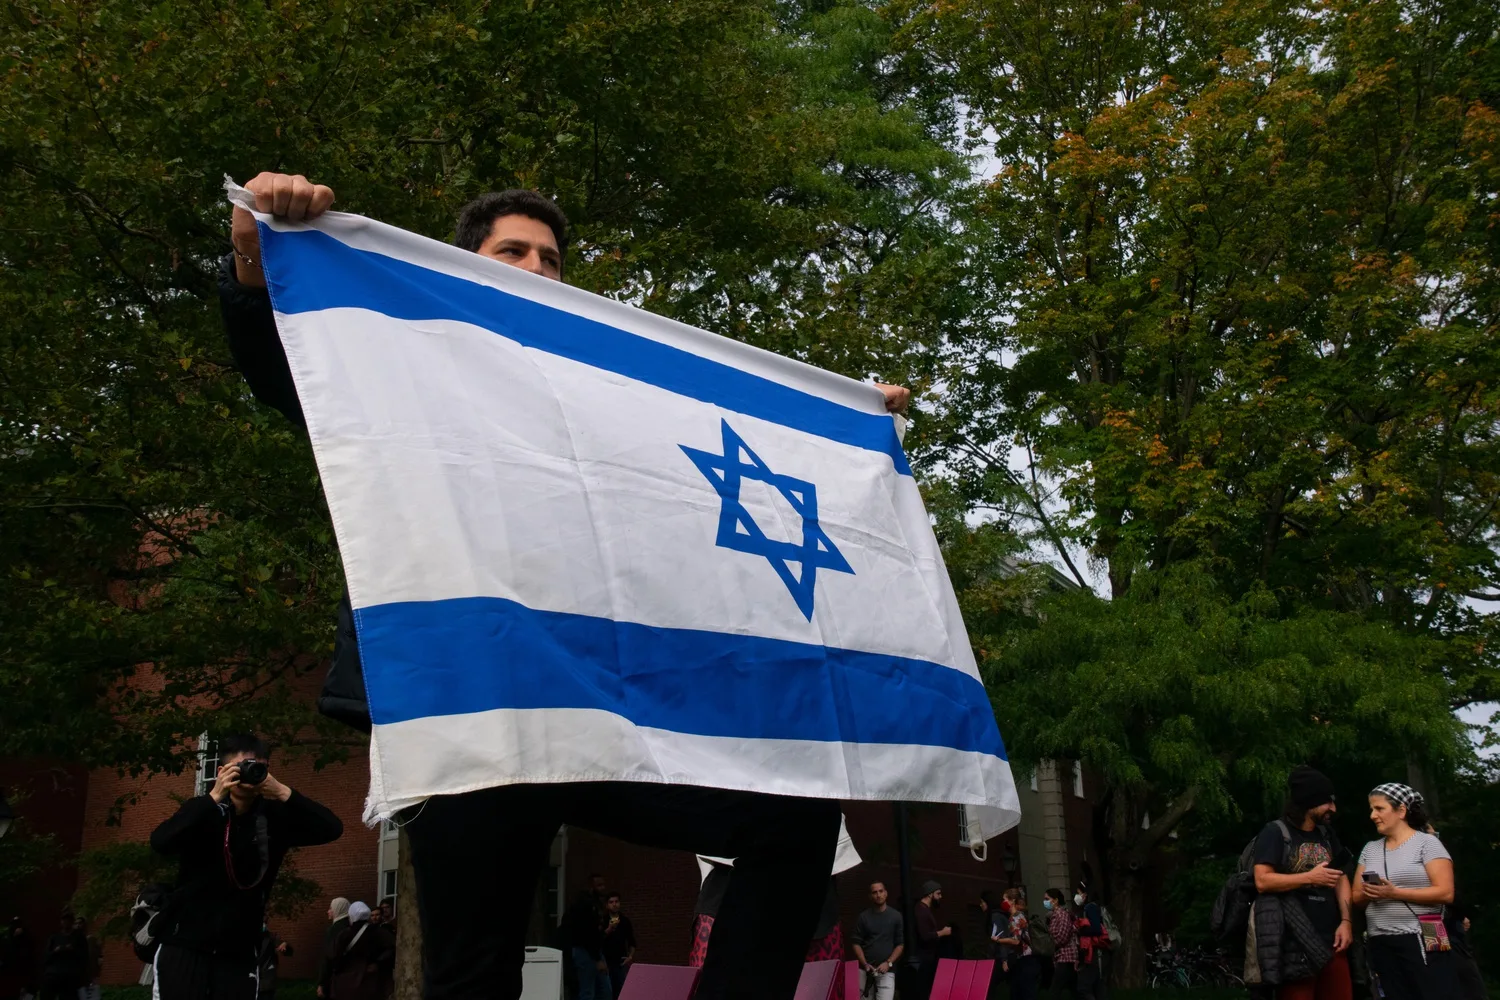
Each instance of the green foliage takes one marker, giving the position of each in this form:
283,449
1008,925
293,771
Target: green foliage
746,166
1239,265
23,854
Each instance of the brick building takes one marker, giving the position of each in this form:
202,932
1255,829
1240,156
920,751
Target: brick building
89,810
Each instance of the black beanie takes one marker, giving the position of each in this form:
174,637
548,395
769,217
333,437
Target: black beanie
1309,788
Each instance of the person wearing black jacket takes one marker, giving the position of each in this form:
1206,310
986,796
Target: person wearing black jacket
230,844
64,962
478,855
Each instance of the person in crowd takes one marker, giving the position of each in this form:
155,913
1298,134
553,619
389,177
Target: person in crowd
1404,879
362,959
93,963
619,941
879,940
1299,859
995,926
268,963
1093,939
491,844
64,962
1064,934
584,926
17,962
388,914
710,895
929,936
1470,978
1024,968
230,843
338,919
828,935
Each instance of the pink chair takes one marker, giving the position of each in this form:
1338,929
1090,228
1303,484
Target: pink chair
942,983
659,982
817,980
851,980
979,985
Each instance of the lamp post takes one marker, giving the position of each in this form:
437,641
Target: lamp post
7,814
1011,863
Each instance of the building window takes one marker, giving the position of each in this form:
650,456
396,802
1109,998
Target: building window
208,765
388,884
1078,779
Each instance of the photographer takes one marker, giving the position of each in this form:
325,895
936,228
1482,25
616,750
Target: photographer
230,842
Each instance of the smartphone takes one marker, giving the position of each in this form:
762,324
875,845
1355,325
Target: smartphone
1372,878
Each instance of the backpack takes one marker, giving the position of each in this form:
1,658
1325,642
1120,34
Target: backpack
1231,913
1111,929
1042,943
149,904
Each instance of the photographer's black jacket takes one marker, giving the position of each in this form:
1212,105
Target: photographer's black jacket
250,327
208,912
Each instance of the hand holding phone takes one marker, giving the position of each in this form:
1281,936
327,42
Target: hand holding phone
1373,878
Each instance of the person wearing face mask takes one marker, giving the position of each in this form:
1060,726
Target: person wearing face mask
1092,940
1064,936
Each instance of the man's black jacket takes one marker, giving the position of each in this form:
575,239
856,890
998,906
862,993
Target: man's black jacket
209,912
250,326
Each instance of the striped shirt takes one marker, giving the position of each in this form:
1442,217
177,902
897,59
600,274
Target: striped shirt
1405,867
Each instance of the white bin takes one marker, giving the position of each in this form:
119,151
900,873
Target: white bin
542,975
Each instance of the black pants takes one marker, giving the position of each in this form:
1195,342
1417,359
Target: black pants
478,856
1064,980
1398,960
182,974
1025,977
59,987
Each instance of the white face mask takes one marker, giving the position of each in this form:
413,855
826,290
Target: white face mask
1078,899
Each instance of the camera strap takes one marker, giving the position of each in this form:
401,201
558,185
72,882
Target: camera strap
262,846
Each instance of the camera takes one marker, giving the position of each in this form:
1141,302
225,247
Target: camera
252,771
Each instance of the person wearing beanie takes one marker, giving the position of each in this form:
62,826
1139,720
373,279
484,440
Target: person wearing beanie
1299,864
929,935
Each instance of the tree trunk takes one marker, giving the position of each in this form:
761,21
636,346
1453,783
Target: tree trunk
408,985
1129,910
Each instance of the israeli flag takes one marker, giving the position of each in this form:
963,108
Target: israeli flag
588,543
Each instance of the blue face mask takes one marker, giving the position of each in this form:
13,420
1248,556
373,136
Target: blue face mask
1046,904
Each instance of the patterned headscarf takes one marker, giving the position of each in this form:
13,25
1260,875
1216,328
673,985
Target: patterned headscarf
1398,794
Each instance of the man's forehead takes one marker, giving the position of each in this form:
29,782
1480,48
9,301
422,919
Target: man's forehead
523,228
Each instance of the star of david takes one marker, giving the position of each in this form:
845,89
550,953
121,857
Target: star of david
738,530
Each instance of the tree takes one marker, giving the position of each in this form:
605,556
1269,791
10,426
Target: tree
1242,303
736,165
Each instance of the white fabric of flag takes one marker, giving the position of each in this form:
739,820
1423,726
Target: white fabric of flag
584,542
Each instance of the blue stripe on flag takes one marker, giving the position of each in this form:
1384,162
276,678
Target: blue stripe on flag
474,654
337,275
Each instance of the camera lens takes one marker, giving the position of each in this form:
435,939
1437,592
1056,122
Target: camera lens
252,772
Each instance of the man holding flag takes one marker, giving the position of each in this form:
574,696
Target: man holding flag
508,696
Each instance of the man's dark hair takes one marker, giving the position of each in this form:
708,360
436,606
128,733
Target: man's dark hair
244,743
989,899
879,882
477,218
614,895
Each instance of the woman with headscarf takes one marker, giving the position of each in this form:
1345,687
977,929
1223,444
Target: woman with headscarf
361,960
1405,878
338,919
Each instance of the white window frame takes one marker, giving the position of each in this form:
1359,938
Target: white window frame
208,764
1078,792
